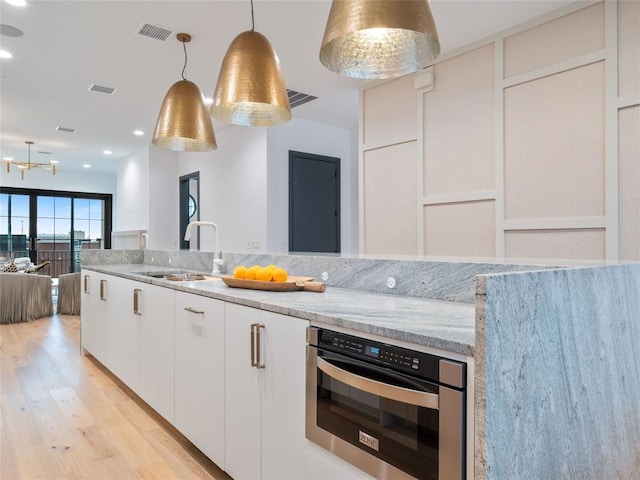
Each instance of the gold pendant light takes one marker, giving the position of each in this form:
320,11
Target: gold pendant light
379,38
184,123
250,90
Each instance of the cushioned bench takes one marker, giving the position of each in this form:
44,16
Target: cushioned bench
24,297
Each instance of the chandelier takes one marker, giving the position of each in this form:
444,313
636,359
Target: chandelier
28,165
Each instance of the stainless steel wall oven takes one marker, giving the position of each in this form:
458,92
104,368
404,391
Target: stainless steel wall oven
390,411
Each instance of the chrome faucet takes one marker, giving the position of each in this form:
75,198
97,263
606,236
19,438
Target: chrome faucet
217,256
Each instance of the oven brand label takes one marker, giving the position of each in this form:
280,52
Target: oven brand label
368,440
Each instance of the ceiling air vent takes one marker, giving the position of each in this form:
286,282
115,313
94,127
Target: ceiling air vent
101,89
154,31
65,129
297,98
42,152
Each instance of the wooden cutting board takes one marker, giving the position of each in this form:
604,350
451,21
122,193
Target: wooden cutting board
292,284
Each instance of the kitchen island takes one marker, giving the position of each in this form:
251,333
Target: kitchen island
554,350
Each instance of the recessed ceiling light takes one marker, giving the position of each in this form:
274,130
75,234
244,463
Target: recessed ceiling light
8,159
107,152
54,161
5,54
17,3
208,101
138,132
86,165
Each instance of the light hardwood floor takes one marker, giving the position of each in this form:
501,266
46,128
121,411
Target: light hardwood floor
65,417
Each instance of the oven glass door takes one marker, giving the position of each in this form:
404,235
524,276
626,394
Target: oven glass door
392,416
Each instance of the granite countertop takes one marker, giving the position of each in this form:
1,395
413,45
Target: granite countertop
439,324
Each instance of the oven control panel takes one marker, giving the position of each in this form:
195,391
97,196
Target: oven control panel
397,358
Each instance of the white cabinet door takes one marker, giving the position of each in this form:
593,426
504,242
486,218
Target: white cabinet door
264,406
242,395
89,334
199,372
156,347
126,364
97,327
283,397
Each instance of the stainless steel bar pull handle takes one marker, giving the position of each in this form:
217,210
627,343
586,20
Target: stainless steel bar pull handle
103,283
255,345
400,394
136,301
197,312
254,363
86,284
259,361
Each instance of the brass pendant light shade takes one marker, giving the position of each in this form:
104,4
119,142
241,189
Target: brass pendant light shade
379,38
250,90
184,123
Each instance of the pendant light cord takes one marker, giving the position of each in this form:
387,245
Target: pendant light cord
184,46
253,23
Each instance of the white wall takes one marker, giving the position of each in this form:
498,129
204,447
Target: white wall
163,199
233,188
133,192
319,139
67,181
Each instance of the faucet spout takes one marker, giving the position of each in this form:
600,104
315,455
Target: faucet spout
217,260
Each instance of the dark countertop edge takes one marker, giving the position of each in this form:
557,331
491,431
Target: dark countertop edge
391,333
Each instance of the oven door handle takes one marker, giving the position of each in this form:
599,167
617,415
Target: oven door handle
374,387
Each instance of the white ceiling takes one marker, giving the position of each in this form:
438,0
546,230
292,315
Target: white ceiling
68,45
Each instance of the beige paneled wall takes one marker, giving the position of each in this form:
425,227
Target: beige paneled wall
458,125
630,183
460,229
556,244
388,166
527,144
390,199
553,42
391,113
629,42
554,146
629,127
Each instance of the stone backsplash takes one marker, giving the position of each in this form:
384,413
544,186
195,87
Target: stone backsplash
441,280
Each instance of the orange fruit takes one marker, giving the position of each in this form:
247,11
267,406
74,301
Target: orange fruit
264,274
250,274
280,275
240,272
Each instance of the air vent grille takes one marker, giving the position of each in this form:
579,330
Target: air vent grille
101,89
42,152
66,129
154,31
297,98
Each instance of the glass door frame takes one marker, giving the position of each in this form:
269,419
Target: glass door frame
33,214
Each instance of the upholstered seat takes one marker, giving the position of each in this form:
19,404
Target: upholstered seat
69,293
24,297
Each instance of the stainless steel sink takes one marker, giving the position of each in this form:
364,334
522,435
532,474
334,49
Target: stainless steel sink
176,275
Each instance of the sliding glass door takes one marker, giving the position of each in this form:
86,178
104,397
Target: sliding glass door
53,233
52,226
14,226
